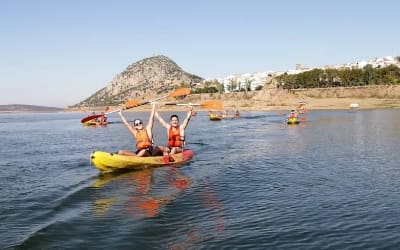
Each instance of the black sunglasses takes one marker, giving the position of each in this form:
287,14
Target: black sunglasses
138,123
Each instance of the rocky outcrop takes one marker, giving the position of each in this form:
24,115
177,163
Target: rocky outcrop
147,78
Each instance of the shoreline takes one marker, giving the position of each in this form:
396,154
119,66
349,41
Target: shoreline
271,99
312,104
247,109
250,105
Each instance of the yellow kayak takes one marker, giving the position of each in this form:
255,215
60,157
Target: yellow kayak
94,123
108,162
230,116
214,117
293,121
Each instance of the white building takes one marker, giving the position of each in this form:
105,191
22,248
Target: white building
236,82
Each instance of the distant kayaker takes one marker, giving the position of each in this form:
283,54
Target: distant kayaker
237,115
176,132
143,136
292,114
102,120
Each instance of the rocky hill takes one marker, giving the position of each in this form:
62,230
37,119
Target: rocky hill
147,78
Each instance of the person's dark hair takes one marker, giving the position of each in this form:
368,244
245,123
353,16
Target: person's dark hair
172,116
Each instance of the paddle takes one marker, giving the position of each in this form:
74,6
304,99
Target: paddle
303,118
136,103
215,105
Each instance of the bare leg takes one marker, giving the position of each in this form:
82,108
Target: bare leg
126,152
175,150
165,150
142,153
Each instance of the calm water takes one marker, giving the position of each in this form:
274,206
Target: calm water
332,182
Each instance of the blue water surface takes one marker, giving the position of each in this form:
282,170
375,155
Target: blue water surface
331,182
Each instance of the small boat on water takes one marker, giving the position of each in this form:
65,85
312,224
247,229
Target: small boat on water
354,106
215,117
93,123
109,162
230,116
226,115
95,120
292,120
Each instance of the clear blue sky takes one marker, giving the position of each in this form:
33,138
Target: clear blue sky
57,53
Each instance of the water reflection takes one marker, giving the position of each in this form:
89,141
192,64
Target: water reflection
101,206
209,227
142,201
211,202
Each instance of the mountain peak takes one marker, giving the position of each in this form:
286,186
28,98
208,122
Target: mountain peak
143,79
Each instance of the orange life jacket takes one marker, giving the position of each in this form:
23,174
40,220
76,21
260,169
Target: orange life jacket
142,140
174,137
291,115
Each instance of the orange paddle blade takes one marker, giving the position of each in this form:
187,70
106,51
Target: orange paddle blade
107,108
303,118
215,105
132,103
180,92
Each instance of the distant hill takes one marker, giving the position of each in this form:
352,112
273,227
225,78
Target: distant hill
27,108
147,78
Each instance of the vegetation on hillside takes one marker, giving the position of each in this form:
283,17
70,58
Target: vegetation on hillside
318,78
212,86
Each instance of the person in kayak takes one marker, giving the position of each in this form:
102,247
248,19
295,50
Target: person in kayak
176,132
143,136
102,120
237,114
292,114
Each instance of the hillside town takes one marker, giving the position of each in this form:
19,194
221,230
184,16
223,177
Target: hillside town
255,81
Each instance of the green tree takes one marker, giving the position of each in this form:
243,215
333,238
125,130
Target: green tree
368,74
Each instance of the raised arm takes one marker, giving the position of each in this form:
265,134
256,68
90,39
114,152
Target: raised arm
187,119
161,120
150,124
132,130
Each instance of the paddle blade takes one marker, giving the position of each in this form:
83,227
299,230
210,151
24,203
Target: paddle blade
212,105
303,118
132,103
107,108
180,92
